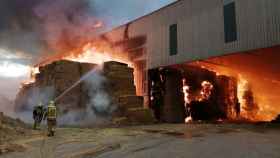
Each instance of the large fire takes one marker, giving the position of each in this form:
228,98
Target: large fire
96,52
256,101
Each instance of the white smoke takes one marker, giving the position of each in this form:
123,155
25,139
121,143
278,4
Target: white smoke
35,96
99,107
97,110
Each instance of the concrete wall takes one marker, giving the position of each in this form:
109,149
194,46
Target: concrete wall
201,29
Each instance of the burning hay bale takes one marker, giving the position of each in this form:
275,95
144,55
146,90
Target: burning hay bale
198,94
84,91
213,96
227,98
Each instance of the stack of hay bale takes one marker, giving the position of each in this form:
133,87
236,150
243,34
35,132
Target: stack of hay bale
61,75
58,76
123,92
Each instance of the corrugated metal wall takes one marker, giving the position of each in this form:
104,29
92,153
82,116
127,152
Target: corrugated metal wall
201,29
258,25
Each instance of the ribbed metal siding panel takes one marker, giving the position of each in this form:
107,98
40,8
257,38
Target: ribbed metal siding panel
199,32
201,29
273,16
257,25
186,32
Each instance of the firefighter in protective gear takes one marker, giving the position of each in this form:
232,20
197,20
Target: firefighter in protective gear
156,99
51,114
38,114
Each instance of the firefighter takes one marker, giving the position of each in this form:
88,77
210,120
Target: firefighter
51,114
38,113
156,99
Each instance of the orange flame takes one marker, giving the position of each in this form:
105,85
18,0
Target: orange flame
186,89
206,90
264,111
241,88
204,94
93,54
96,52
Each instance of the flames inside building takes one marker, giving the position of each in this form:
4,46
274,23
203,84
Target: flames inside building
239,87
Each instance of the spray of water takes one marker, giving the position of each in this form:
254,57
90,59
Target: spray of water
83,78
99,107
97,110
69,89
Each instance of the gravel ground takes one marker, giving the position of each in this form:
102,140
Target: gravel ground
163,140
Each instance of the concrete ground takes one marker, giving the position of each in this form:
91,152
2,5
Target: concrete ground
162,141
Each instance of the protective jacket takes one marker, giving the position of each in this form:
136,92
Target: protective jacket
51,111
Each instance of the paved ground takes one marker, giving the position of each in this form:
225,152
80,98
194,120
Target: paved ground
162,141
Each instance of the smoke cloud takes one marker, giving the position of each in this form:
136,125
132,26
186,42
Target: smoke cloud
39,27
99,108
54,26
31,30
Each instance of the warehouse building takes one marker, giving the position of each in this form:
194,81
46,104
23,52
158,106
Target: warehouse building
213,34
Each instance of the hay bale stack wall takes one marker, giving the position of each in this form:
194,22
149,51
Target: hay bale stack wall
61,75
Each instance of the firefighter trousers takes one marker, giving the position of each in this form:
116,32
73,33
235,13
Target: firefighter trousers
51,127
